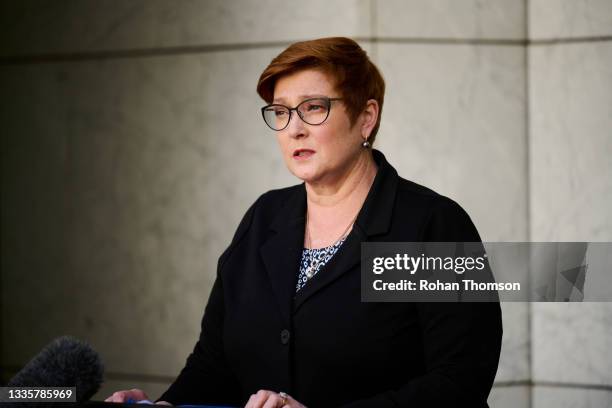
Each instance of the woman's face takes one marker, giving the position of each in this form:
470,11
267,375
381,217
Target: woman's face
327,150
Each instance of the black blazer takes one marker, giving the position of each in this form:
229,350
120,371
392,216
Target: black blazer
323,346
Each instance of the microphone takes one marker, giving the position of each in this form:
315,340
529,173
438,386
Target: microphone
65,362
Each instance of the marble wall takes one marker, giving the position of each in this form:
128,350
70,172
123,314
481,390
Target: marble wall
133,143
570,146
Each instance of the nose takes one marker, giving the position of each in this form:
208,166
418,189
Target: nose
296,128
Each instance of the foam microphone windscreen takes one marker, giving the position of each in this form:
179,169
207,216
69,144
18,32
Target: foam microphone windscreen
65,362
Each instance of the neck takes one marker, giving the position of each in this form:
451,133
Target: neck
345,188
332,207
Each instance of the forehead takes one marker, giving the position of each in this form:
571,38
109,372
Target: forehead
301,84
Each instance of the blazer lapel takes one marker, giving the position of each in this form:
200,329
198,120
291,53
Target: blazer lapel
345,259
282,252
373,219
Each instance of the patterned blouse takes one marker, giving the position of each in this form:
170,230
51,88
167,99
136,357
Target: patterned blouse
317,258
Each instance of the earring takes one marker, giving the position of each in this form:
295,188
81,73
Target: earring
365,144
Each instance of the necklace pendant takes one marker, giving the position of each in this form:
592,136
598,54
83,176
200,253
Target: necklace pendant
312,269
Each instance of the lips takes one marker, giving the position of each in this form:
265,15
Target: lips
302,153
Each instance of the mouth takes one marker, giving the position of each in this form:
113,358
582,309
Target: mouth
301,154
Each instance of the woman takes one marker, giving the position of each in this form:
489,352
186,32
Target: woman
285,325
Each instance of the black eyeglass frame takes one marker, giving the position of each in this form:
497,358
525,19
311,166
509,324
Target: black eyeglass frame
328,100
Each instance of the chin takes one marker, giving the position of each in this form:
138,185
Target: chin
308,172
303,174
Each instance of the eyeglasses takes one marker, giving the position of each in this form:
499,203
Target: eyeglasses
313,111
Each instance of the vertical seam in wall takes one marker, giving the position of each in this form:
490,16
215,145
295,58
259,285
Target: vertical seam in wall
530,388
374,31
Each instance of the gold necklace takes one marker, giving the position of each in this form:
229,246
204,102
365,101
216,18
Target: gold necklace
314,264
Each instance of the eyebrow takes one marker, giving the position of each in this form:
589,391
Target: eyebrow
302,97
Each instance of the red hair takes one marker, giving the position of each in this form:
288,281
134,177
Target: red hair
356,78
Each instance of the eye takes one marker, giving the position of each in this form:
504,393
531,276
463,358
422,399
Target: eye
314,107
280,112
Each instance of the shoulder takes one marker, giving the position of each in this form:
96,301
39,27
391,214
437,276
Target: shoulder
265,208
259,215
273,200
424,198
443,219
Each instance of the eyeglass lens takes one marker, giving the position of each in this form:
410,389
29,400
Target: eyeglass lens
311,111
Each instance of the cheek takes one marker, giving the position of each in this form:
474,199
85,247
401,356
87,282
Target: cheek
338,138
332,133
341,130
282,141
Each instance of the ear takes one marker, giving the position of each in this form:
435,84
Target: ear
369,117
